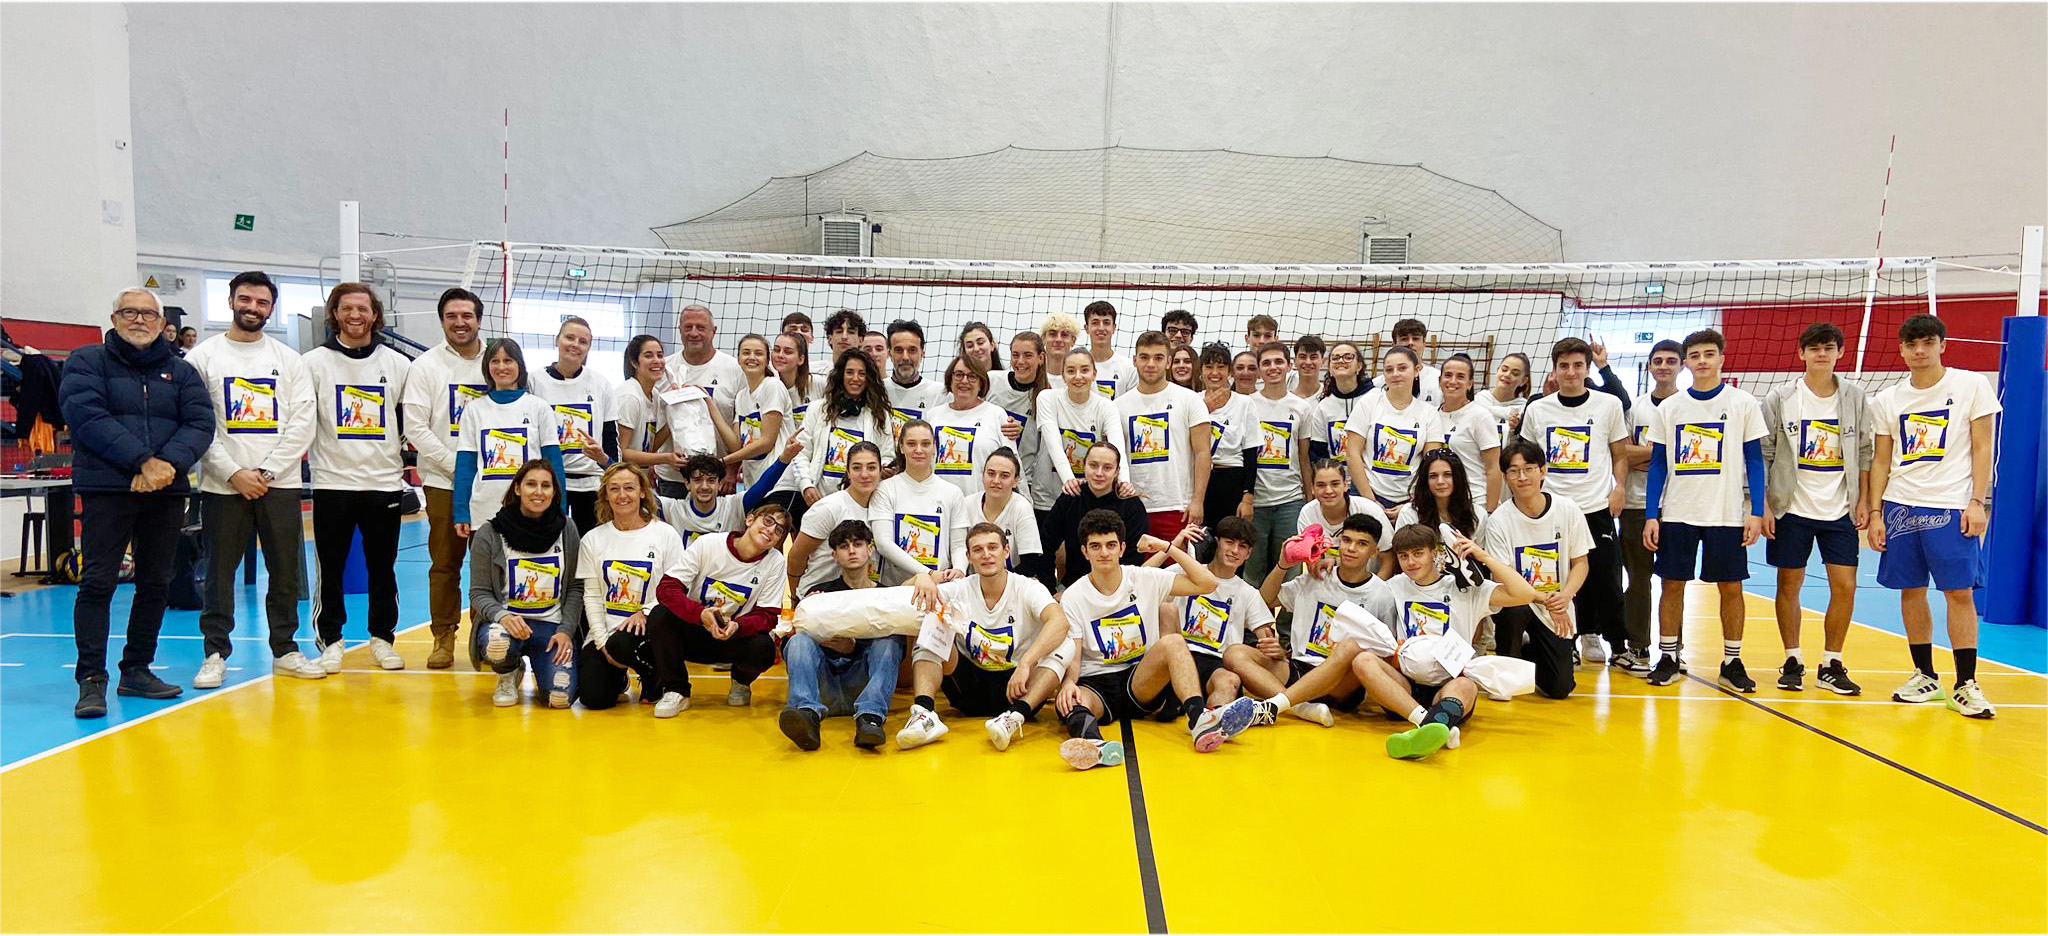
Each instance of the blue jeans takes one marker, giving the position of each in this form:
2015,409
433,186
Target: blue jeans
1274,526
550,676
827,683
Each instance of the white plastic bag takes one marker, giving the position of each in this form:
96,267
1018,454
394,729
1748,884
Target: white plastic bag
691,430
861,613
1434,659
1501,677
1352,622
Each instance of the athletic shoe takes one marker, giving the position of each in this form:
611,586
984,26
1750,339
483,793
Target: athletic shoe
296,664
1451,743
558,688
1834,677
740,695
497,643
145,685
507,692
671,705
330,657
1735,676
923,728
867,731
443,654
1591,649
1419,742
1004,729
385,655
1968,700
1792,676
92,698
800,725
1633,662
1315,712
211,672
1083,753
1222,723
1921,688
1264,713
1669,667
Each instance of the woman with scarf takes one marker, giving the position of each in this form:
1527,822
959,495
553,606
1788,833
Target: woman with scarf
525,599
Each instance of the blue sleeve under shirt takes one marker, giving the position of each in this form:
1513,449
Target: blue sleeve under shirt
1753,465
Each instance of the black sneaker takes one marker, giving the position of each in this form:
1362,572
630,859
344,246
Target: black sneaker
1834,677
801,726
1735,677
1669,667
867,732
92,698
1792,676
145,685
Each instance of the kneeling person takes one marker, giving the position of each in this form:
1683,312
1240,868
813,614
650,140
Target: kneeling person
1126,664
717,605
1016,648
842,675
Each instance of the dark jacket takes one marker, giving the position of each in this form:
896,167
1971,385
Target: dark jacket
1067,512
127,405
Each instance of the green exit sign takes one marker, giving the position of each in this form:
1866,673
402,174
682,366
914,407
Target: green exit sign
245,222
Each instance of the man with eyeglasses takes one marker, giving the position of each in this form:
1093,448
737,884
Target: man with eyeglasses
139,421
249,479
1179,327
718,604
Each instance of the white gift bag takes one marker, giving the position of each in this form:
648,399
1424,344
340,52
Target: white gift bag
861,613
1501,677
1352,622
689,421
1434,659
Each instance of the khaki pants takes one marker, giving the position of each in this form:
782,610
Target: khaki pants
444,576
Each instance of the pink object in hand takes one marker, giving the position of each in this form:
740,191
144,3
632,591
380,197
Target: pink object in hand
1304,546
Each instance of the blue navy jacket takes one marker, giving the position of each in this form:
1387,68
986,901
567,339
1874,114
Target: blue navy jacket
127,405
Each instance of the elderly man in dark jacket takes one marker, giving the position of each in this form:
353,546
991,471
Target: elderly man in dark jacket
140,418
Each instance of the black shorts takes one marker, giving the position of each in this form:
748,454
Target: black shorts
1716,551
1115,692
1425,696
977,692
1348,702
1793,545
1206,666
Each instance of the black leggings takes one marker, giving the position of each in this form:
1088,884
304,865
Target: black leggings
675,642
583,510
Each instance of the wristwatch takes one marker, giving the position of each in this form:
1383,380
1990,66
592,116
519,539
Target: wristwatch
267,476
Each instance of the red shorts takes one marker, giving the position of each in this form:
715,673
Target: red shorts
1166,524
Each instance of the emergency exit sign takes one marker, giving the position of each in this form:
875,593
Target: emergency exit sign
245,222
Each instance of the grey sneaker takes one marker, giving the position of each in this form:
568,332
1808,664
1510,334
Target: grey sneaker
740,695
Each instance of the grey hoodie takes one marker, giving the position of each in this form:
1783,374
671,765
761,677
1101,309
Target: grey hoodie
1780,473
487,588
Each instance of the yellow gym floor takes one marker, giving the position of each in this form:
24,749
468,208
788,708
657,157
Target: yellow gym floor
403,801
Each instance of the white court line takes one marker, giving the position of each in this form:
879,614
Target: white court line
1722,697
201,696
1773,619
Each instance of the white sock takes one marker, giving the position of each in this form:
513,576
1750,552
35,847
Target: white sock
1669,645
1794,653
1418,715
1279,701
1830,656
1731,650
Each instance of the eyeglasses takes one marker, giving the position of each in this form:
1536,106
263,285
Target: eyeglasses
131,315
1180,330
1343,358
1523,471
774,525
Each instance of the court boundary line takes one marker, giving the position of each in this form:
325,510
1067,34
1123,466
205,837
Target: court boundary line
200,695
1141,832
1873,755
1773,620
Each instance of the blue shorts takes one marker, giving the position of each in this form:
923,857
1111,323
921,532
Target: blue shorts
1920,542
1717,551
1797,535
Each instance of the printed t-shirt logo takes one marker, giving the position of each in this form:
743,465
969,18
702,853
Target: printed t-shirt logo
1076,443
459,397
1393,449
989,647
1570,449
504,450
1319,630
1923,436
1539,566
534,583
1207,618
918,535
1425,617
625,586
359,411
837,446
572,427
727,597
956,450
1119,637
1150,440
1699,448
1276,443
1820,445
251,403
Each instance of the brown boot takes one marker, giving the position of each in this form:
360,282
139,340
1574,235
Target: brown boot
443,655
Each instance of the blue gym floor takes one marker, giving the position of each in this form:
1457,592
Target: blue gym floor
36,651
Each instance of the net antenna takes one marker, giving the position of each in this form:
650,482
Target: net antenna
1870,292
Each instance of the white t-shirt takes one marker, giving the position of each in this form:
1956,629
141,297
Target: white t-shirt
819,521
1115,376
908,403
357,446
750,405
583,404
643,419
912,520
619,569
1639,417
1576,443
1017,521
726,516
1115,629
263,410
1017,405
1279,427
1314,602
1231,430
1327,419
1067,429
716,577
1930,432
1312,515
1429,385
996,635
1703,442
1155,428
1822,489
1541,548
503,437
1469,433
1395,439
1220,618
1408,514
965,438
533,582
1439,608
720,377
829,438
437,387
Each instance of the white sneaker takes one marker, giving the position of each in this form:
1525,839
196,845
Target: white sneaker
496,643
1002,729
558,689
296,664
211,672
1452,743
1921,688
507,692
923,728
1592,649
330,657
1316,712
671,705
1968,700
386,655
